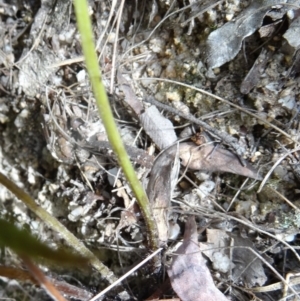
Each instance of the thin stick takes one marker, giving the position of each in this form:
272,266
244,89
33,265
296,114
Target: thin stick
241,220
285,199
262,184
223,100
233,142
237,194
126,275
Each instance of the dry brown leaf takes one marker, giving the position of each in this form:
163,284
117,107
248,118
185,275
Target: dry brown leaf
161,183
188,273
210,158
159,128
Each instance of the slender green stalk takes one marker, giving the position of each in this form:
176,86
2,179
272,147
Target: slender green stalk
55,225
85,29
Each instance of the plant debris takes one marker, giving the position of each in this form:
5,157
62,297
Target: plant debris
224,43
210,157
162,181
205,95
189,275
234,255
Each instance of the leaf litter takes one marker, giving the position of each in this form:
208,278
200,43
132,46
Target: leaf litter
189,275
230,253
269,90
224,43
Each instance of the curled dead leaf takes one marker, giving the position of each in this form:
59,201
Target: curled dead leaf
163,175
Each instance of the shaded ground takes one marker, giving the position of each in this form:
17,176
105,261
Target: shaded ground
46,104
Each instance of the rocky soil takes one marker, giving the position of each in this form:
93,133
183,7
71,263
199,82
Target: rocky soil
232,64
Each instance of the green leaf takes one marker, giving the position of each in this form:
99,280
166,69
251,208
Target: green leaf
22,242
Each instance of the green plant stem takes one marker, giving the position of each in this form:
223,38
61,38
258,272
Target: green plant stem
88,46
55,225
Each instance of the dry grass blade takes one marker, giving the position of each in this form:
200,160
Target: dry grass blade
273,168
115,52
277,286
163,49
54,224
285,199
62,286
42,279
